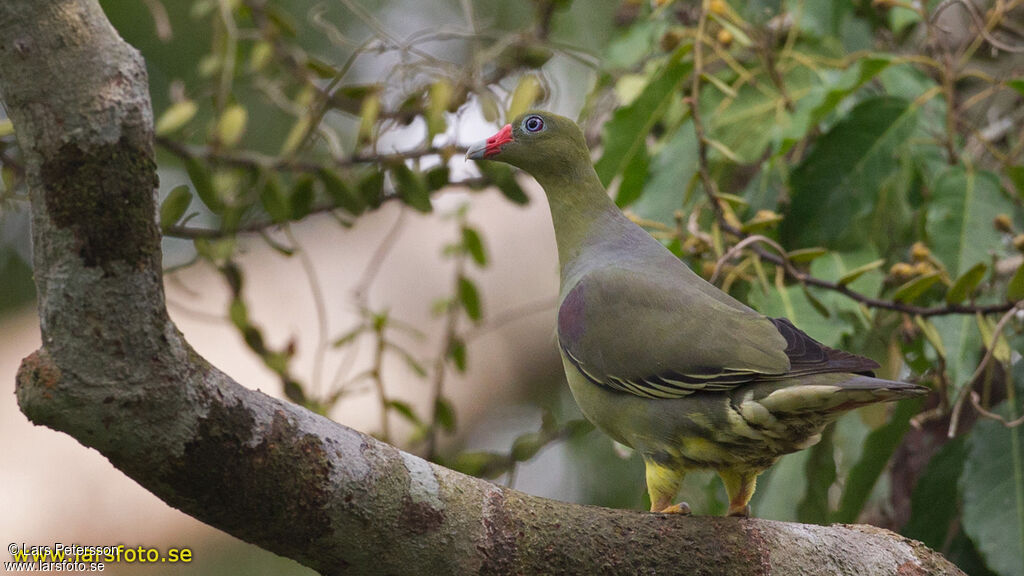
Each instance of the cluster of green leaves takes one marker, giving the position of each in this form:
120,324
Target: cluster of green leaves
264,64
487,464
872,157
291,66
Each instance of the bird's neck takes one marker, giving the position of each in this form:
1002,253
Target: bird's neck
584,217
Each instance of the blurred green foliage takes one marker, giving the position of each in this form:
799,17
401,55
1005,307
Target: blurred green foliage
855,166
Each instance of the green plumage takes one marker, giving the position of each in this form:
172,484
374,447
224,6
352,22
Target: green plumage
663,361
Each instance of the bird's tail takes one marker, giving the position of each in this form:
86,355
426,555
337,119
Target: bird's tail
833,393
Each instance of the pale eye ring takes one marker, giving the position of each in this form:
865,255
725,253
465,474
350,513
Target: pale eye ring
533,124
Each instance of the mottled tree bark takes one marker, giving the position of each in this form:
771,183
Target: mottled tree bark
115,373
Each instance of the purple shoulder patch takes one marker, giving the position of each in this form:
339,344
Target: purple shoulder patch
571,317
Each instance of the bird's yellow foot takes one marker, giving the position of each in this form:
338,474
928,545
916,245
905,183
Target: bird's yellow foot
680,508
739,484
740,512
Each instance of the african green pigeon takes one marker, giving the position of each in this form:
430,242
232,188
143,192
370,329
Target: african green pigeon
663,361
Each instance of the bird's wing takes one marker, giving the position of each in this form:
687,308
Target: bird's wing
808,356
657,335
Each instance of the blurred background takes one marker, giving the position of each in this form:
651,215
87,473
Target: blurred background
325,242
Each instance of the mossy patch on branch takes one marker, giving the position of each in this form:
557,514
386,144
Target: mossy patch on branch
273,492
104,195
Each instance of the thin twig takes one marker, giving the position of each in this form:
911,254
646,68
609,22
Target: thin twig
732,252
227,70
256,160
256,226
511,315
451,325
378,381
360,294
698,124
976,402
309,268
954,419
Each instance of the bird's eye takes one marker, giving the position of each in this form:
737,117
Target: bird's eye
534,124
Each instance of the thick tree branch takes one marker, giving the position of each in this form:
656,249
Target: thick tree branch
116,374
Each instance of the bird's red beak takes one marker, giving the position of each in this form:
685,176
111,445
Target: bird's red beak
487,148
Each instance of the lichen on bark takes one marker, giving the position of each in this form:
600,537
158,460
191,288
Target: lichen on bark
93,191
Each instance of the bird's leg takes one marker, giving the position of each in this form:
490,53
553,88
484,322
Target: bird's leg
662,486
739,485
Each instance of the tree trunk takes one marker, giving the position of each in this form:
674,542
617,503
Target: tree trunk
116,374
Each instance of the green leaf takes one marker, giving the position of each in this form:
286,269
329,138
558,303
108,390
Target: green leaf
1015,288
296,135
176,116
284,22
444,414
1017,84
836,265
820,469
505,180
878,448
993,492
859,271
410,360
633,178
962,343
758,116
900,18
959,221
578,428
931,333
1016,174
934,503
440,98
671,169
438,177
320,68
231,125
301,199
457,352
482,464
348,337
174,206
203,183
791,302
294,392
835,187
341,193
216,251
238,313
474,245
966,283
470,298
815,302
527,446
627,49
914,289
369,111
261,54
527,91
405,410
805,255
411,188
371,187
273,200
625,135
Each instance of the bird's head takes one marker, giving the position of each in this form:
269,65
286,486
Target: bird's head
541,143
